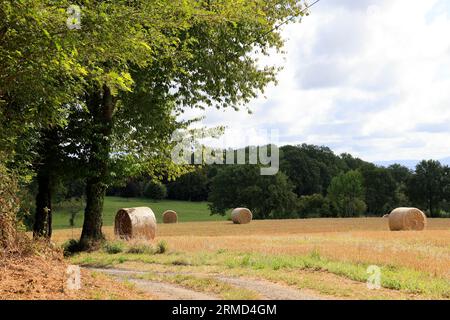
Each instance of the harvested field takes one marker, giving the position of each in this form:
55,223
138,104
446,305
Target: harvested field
415,264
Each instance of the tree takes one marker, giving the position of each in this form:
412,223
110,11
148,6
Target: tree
303,171
155,190
351,162
205,54
346,193
428,185
310,167
380,189
193,186
268,197
401,174
315,205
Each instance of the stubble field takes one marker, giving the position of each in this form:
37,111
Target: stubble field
328,258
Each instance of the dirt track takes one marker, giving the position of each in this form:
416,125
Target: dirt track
167,291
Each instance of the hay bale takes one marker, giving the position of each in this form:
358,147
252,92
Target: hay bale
407,219
135,223
241,216
386,216
170,216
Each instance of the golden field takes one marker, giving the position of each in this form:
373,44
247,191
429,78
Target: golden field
356,242
364,240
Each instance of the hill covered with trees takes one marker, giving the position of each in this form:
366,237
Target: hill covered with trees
313,181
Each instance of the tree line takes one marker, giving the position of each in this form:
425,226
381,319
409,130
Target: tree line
312,182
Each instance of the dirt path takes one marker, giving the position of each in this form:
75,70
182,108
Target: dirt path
267,290
162,290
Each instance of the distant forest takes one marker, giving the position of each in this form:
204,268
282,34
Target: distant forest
312,182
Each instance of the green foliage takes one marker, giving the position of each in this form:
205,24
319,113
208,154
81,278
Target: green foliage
430,186
70,247
346,194
9,207
161,247
140,248
309,167
133,189
192,186
315,205
380,190
155,190
113,247
268,197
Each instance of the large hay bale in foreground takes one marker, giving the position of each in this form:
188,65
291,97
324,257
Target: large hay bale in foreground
407,219
135,223
170,216
241,216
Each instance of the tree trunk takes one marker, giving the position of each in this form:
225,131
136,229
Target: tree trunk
101,106
43,215
49,158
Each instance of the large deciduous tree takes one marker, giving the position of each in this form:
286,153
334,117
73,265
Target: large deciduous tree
428,187
346,193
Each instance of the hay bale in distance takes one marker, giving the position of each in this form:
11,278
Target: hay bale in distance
386,216
170,216
241,216
407,219
135,223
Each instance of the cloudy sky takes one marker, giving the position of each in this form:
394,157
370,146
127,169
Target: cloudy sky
368,77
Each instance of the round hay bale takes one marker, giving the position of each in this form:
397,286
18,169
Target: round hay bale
386,216
407,219
170,216
135,223
241,216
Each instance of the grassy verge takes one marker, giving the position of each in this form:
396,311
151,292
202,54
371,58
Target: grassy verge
282,268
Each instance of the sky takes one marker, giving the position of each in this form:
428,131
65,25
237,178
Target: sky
367,77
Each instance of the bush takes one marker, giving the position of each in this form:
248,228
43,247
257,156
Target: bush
161,247
70,247
155,190
140,249
114,247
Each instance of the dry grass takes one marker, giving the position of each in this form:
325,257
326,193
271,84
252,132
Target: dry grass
41,277
352,240
355,242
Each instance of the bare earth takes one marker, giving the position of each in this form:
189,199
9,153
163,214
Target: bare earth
165,291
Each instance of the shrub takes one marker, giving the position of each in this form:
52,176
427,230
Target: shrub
155,190
161,247
70,247
140,249
114,247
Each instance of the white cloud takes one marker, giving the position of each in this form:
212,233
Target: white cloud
367,77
